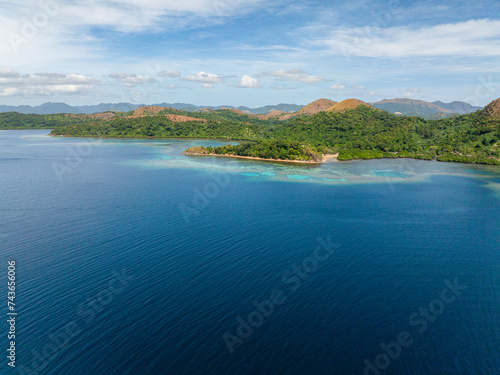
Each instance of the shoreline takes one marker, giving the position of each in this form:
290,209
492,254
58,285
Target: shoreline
326,157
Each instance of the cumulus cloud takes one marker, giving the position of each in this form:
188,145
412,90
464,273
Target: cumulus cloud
208,85
71,29
10,91
8,73
471,38
13,83
131,80
169,73
337,86
294,75
249,82
204,78
411,92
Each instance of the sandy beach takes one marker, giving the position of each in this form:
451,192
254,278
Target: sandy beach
326,157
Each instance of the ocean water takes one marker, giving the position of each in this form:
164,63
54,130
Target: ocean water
133,258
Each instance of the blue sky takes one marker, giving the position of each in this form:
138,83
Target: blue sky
248,52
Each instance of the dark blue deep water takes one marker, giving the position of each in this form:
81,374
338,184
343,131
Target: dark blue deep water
197,247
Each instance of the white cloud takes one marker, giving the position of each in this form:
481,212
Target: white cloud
208,85
354,87
411,92
294,75
337,86
12,83
249,82
204,78
130,15
131,80
169,73
8,73
32,28
471,38
10,91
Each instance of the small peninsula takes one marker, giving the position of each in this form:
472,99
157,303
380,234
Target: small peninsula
271,151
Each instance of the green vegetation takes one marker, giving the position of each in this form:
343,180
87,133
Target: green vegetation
467,159
364,133
365,154
361,133
373,154
283,150
15,120
362,128
162,127
472,138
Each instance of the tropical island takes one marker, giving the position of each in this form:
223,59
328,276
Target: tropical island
270,151
352,129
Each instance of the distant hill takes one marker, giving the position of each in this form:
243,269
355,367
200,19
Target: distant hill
412,107
269,108
251,111
44,109
52,108
404,106
461,108
348,104
55,107
273,114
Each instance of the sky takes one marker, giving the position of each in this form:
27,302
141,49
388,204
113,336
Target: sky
248,52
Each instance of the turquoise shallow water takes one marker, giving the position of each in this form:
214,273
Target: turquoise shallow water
388,171
325,268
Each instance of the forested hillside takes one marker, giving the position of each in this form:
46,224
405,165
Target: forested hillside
359,133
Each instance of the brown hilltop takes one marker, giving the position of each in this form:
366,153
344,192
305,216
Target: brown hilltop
276,113
348,104
206,109
493,109
173,118
319,105
152,110
235,110
180,118
94,116
286,116
273,114
148,110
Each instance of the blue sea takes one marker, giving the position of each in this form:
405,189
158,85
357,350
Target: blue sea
133,258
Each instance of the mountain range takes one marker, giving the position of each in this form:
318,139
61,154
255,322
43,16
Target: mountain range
398,106
51,108
423,108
